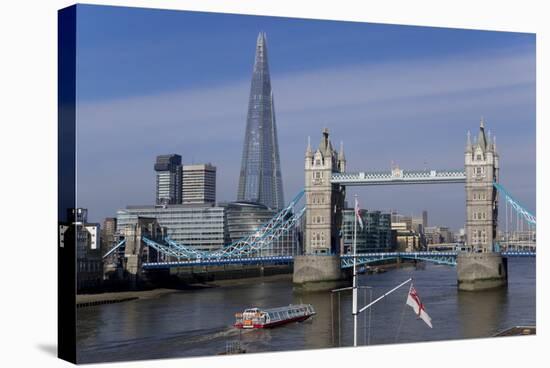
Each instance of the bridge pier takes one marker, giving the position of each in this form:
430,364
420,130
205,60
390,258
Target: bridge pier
318,272
481,271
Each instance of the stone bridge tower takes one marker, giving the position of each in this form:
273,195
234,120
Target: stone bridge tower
324,200
135,251
483,268
319,267
482,168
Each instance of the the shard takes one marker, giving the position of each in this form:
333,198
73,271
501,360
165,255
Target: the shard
260,177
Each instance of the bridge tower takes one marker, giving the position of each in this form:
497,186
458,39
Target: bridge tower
324,200
319,267
136,250
482,268
482,168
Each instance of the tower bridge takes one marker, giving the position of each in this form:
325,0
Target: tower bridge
326,180
318,208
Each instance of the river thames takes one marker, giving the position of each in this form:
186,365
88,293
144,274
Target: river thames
199,322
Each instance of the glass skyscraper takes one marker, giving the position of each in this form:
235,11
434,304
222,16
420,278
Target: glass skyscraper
260,177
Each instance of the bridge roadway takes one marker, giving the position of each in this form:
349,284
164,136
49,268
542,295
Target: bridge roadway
446,258
399,176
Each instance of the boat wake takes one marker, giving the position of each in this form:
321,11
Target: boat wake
191,337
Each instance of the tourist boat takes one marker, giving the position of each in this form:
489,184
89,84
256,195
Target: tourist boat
266,318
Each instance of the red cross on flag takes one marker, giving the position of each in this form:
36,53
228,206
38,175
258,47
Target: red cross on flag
414,301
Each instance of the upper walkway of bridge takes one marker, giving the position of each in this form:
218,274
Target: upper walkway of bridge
399,176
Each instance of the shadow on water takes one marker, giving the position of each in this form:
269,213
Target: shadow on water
481,313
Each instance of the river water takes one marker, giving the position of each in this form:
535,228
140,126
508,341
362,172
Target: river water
198,322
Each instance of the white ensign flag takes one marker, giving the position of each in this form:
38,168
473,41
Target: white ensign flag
414,301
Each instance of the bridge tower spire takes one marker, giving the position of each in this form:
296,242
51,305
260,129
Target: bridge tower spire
468,142
482,169
341,158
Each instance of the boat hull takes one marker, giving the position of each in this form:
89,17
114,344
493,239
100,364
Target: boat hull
272,324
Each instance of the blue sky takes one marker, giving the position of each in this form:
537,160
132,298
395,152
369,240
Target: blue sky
155,81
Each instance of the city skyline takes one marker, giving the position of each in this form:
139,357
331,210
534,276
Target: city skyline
387,101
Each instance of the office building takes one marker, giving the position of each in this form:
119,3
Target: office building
168,179
375,236
438,235
200,226
399,218
244,219
406,240
260,178
198,184
417,225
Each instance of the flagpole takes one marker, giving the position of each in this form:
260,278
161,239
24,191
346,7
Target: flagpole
354,306
383,296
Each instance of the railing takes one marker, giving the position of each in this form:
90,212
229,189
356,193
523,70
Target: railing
447,258
219,262
442,258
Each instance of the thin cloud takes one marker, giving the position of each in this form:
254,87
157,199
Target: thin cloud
408,110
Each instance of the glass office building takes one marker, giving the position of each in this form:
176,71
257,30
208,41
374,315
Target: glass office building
260,176
203,227
244,218
168,183
376,235
211,227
